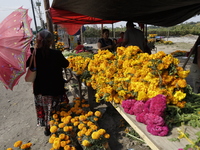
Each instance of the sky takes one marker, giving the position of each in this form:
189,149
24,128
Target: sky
8,6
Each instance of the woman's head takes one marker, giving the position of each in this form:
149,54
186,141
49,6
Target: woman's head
105,33
44,39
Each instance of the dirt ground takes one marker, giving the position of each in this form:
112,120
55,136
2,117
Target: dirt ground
18,116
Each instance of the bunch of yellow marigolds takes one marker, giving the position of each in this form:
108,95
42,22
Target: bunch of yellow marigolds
60,46
132,74
20,146
76,124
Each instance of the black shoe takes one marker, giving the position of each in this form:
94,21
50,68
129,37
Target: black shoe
47,132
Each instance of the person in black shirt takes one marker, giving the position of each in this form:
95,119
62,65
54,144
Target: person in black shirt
48,87
105,43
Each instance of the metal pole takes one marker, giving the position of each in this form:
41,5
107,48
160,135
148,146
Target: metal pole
49,21
34,17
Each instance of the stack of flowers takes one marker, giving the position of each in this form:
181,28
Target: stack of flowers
132,74
76,125
78,64
150,112
20,146
60,46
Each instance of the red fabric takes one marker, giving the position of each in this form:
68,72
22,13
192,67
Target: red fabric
73,21
79,47
119,40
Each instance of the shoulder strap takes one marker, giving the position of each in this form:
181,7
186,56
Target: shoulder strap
33,59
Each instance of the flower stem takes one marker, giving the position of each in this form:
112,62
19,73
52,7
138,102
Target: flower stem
135,137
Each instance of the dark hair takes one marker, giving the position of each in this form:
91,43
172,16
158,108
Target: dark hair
44,38
130,24
105,30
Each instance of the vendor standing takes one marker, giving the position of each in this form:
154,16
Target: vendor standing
194,77
133,36
105,43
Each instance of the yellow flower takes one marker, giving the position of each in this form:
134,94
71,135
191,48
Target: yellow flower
95,135
9,149
67,147
51,139
93,127
73,148
86,143
179,95
182,83
24,146
55,116
101,131
63,143
107,136
96,119
61,125
62,136
82,118
56,144
66,129
53,129
97,113
18,144
29,144
80,126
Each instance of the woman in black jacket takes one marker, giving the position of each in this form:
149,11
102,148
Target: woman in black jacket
48,87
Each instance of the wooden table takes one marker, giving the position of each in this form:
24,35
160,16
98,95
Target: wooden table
157,142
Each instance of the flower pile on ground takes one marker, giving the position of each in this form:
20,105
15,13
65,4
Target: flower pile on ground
179,53
76,124
20,146
150,112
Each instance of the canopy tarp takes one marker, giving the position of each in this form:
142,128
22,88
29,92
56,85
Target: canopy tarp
154,12
72,22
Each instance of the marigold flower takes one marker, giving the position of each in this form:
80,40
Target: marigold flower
55,116
95,135
86,143
82,118
67,147
29,145
63,143
101,131
53,129
62,136
23,146
107,136
61,125
18,144
97,113
9,149
80,126
96,119
56,144
51,139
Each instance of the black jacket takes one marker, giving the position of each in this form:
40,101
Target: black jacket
49,79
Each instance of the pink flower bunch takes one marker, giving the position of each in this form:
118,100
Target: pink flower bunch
149,112
127,104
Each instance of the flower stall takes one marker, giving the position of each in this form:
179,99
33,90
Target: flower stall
149,91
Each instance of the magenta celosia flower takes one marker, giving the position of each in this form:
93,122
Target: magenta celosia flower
140,117
128,103
158,105
157,130
154,119
126,110
138,107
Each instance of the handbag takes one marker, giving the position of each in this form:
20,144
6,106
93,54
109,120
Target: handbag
31,73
